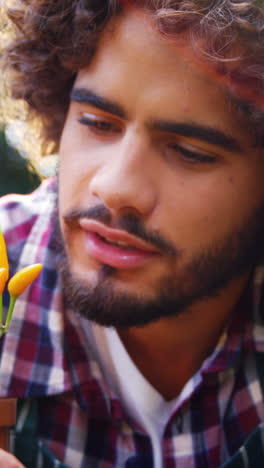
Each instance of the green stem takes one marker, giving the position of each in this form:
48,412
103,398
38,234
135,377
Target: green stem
1,317
10,312
1,309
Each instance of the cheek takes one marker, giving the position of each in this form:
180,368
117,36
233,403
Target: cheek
77,164
202,208
73,185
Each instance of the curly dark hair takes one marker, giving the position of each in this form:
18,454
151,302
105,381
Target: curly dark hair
54,39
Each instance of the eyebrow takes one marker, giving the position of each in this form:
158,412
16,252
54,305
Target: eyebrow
204,133
85,96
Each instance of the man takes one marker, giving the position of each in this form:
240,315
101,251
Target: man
141,345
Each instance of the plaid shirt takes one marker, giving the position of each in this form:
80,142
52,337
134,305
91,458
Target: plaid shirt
68,415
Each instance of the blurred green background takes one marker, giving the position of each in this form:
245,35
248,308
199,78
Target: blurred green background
17,174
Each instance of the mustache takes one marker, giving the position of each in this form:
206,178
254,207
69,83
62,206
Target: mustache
130,223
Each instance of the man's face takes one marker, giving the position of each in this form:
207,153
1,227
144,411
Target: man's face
160,186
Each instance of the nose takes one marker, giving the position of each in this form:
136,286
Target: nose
123,180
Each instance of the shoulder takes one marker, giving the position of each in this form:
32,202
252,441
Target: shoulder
19,214
21,210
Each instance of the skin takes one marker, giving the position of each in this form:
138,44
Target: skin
9,461
134,169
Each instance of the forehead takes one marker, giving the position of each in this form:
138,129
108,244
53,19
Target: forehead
133,38
147,73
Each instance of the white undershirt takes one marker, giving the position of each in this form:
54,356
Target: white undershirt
140,400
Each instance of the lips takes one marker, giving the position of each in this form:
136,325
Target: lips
114,247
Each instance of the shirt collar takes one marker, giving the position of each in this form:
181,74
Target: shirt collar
245,330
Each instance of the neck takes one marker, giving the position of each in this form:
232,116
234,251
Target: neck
168,352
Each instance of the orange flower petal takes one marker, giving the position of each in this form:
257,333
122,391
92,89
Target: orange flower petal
3,253
23,278
3,279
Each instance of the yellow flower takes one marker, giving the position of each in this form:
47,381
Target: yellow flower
17,284
22,279
3,279
3,254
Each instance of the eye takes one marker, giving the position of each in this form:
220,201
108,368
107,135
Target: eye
99,125
192,157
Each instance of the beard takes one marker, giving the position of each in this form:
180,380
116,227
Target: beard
203,277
